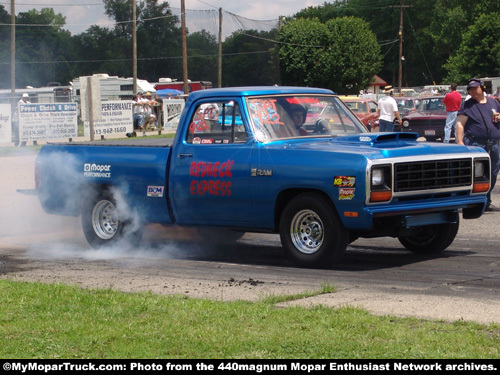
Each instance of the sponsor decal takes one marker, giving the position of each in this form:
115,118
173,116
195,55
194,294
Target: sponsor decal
261,172
365,139
207,141
197,140
344,181
97,170
155,191
346,193
212,178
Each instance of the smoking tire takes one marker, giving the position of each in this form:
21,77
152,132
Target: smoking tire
430,239
102,224
311,232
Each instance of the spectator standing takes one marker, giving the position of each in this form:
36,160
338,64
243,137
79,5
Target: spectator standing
149,117
25,99
496,95
452,101
388,110
138,111
478,124
158,112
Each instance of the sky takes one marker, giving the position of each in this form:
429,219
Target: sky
81,14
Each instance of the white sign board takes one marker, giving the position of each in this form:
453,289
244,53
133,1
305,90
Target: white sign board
116,119
47,121
5,124
172,108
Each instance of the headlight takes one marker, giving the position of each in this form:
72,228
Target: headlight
406,123
381,183
378,177
478,168
481,176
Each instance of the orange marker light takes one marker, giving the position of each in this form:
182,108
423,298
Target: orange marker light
380,196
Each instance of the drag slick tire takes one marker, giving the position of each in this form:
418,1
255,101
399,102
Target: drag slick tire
311,232
102,224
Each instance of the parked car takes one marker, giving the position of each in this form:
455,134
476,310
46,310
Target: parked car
364,109
428,120
406,104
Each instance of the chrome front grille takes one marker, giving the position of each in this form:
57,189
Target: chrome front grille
431,175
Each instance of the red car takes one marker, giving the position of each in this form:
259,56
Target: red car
364,109
406,104
428,120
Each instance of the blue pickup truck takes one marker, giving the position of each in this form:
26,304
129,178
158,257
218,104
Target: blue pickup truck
287,160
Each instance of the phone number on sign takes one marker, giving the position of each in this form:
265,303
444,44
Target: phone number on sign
121,129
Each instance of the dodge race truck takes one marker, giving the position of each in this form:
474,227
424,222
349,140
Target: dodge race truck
287,160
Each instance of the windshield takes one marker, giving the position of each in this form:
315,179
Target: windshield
433,104
281,117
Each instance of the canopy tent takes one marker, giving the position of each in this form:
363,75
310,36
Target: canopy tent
165,93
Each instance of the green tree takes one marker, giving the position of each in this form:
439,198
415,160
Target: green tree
342,54
158,39
479,52
4,48
248,59
202,56
42,51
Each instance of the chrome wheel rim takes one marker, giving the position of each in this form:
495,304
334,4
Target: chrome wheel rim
105,219
307,232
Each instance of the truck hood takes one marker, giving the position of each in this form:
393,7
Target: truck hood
378,145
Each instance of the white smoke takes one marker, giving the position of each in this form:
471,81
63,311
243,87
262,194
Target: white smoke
24,223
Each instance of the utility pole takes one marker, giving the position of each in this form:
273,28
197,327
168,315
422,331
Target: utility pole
401,6
184,48
134,47
220,50
12,57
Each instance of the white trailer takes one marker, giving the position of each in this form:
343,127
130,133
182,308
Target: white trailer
116,88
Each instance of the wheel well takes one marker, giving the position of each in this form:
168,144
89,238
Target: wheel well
88,192
287,195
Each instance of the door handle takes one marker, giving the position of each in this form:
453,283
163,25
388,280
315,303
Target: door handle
182,156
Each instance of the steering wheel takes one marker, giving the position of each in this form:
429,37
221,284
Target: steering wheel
321,126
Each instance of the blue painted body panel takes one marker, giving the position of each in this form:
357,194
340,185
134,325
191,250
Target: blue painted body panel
238,185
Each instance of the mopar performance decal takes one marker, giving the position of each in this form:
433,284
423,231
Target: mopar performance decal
97,170
213,178
155,191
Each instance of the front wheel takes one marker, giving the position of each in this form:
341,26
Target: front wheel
103,224
430,239
311,231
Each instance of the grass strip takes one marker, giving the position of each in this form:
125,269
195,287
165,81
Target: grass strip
58,321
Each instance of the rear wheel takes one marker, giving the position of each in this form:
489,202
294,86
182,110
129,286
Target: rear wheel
311,231
103,224
430,239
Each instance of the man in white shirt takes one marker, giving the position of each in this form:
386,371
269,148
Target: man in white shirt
388,111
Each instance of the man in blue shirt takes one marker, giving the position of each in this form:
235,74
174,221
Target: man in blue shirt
478,124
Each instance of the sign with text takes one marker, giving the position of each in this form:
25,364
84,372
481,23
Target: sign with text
5,124
47,121
172,109
116,119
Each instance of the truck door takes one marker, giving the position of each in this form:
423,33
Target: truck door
210,176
